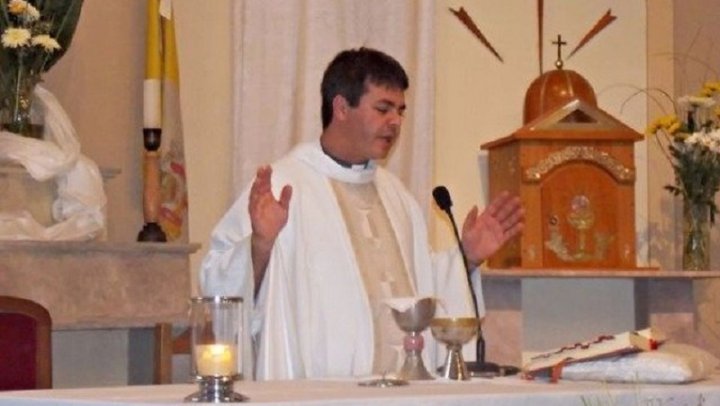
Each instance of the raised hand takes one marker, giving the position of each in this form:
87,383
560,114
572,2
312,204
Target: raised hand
268,216
484,234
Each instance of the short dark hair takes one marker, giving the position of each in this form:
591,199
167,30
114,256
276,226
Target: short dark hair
350,71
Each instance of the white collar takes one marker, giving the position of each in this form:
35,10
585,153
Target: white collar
313,155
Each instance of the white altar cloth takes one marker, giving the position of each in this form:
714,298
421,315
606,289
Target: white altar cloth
510,391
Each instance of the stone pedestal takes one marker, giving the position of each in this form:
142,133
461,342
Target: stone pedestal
525,307
91,285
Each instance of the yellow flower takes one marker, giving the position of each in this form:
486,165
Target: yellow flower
47,42
25,9
669,124
680,136
15,37
652,128
17,7
705,92
669,121
711,87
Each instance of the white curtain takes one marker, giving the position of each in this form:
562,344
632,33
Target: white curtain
281,49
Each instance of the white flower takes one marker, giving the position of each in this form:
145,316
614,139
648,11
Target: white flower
714,140
696,101
714,134
693,139
15,37
31,13
47,42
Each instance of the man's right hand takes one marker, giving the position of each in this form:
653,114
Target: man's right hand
268,216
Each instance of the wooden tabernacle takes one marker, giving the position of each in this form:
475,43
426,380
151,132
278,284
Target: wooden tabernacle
572,165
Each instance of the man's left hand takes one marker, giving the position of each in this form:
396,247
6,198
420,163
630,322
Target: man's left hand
483,234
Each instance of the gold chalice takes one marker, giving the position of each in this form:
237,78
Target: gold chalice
454,332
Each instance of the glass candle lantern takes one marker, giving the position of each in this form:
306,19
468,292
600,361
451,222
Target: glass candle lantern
216,326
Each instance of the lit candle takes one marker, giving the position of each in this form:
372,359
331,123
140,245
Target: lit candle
216,360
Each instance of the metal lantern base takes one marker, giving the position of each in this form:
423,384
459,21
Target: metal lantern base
216,389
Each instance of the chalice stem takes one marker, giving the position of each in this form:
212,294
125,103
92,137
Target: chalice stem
414,368
581,242
455,367
480,347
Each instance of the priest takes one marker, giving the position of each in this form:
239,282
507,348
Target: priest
324,236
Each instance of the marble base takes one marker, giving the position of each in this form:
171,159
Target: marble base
681,304
502,326
94,285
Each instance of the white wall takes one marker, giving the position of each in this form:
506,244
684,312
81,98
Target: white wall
204,52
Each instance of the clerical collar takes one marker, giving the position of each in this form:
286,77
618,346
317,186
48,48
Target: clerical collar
344,163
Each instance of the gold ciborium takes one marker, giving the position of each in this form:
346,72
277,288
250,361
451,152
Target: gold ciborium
454,332
413,320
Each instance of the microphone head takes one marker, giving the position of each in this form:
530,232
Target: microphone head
442,197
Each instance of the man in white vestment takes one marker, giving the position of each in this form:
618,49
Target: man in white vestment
324,236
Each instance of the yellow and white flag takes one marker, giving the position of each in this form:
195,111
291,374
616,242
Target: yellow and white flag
162,110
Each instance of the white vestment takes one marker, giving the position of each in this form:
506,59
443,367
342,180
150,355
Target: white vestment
311,317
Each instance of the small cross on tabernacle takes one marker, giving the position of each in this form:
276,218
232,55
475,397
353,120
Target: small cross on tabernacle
559,42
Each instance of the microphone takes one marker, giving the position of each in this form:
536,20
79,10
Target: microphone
480,367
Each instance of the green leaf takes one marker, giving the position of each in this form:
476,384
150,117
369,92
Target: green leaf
64,15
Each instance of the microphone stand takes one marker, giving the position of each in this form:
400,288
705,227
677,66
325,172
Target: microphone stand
479,367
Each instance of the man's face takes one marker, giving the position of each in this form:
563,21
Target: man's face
375,123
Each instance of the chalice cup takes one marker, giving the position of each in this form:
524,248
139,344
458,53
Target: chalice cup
413,320
454,332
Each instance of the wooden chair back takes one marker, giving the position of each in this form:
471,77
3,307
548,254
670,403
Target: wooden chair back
167,345
25,345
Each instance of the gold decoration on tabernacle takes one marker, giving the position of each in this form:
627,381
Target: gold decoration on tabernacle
512,165
626,251
531,253
582,218
605,160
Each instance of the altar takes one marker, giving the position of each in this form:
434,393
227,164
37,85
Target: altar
508,391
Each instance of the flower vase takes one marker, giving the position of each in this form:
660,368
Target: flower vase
696,236
17,114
